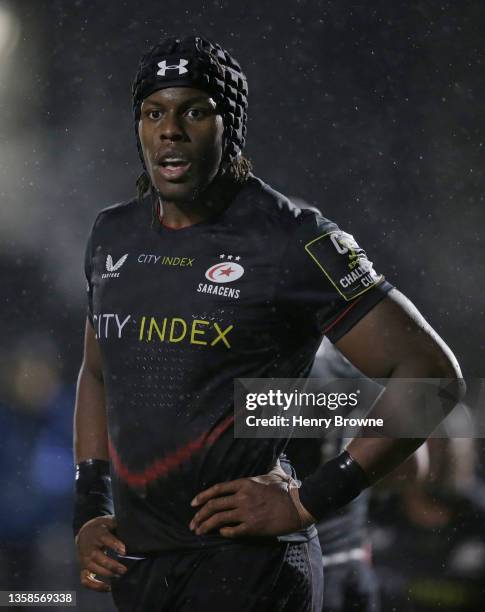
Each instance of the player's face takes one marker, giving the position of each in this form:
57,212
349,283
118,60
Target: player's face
181,134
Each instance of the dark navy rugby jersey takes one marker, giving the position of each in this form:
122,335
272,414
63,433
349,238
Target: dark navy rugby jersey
179,314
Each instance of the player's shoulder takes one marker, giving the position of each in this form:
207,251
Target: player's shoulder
120,211
281,210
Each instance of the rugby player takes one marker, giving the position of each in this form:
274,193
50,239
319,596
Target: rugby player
207,276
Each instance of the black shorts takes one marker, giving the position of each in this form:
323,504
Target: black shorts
240,577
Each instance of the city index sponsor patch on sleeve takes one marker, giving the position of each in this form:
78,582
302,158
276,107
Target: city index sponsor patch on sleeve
344,263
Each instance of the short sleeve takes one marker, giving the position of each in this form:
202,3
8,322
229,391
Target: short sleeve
88,265
326,279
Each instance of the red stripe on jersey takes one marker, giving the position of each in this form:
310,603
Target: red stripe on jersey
161,467
341,316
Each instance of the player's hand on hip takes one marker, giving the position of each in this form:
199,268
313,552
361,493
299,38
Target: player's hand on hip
260,506
92,541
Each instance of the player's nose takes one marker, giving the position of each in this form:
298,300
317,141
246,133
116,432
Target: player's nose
171,127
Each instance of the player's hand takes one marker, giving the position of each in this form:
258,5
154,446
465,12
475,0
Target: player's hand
248,507
93,539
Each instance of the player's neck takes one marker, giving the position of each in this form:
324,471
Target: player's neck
176,215
215,199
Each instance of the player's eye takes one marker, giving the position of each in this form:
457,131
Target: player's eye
196,113
154,114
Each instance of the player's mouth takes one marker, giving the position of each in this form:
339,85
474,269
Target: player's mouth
173,166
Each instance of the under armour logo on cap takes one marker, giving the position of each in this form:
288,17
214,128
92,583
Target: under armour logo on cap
180,67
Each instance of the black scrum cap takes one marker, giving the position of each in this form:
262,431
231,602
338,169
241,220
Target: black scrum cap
196,62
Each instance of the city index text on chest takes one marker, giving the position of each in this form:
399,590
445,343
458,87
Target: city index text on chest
164,329
176,329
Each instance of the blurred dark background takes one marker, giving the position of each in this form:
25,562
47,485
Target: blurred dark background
372,111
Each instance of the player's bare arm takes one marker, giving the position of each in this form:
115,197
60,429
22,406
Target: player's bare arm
91,444
403,346
90,431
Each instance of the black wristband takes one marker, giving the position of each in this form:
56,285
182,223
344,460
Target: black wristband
93,495
333,485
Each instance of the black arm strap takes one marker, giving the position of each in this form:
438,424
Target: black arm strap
336,483
93,495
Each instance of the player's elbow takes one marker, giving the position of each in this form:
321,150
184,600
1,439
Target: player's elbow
437,363
445,366
448,371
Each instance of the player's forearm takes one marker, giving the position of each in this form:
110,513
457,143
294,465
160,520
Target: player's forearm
90,427
380,456
404,401
366,460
